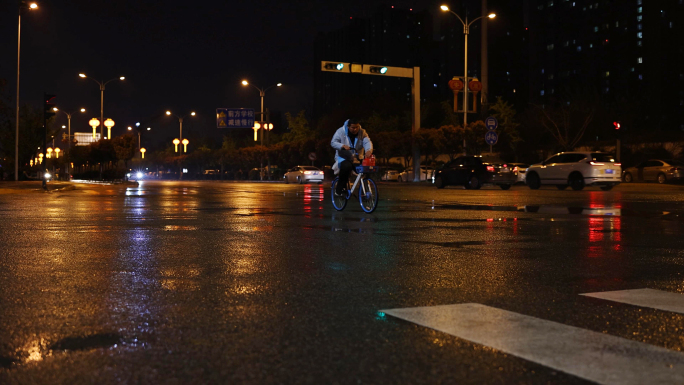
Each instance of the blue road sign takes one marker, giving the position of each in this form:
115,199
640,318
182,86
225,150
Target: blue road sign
234,117
491,137
491,123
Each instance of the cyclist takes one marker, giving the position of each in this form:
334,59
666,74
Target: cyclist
348,140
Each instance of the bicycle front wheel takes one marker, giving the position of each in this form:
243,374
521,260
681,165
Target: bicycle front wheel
339,202
368,198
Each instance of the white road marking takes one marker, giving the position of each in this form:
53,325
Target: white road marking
654,299
593,356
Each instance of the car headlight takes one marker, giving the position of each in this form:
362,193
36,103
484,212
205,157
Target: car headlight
139,175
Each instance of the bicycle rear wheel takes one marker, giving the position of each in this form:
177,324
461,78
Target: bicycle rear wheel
339,203
369,199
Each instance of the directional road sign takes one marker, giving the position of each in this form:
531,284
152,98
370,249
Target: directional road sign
234,117
491,137
491,123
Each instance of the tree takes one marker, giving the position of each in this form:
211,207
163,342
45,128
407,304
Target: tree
508,127
125,148
299,128
450,140
566,118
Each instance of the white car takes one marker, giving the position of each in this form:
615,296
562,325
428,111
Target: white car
407,175
519,169
390,175
575,169
304,174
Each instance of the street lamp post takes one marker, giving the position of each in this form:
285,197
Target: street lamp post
22,6
137,125
68,114
177,141
102,88
466,32
262,92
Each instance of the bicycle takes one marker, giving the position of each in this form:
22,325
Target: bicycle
368,191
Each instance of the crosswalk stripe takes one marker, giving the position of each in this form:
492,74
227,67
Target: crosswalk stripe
593,356
654,299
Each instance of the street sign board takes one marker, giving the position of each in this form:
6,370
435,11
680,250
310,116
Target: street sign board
312,156
491,123
491,137
234,117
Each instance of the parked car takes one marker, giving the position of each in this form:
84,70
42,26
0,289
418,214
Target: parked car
472,173
407,175
575,169
390,175
303,174
655,170
519,169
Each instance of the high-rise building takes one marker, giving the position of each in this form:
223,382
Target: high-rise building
631,51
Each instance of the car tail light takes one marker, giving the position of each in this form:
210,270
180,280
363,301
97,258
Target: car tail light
673,169
515,169
490,168
617,164
596,164
307,172
505,165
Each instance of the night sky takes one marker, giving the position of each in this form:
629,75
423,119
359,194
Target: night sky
177,55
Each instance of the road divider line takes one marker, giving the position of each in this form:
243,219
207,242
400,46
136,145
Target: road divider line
593,356
655,299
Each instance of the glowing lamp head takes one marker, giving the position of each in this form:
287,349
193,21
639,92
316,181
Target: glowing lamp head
33,6
444,8
192,113
279,84
139,175
82,109
245,82
257,125
491,15
82,75
55,109
185,142
176,141
109,123
122,78
130,128
168,112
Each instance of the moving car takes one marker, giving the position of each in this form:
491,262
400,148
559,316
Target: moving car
575,169
407,175
655,170
390,175
303,174
472,173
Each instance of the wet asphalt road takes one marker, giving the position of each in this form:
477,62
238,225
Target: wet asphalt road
208,282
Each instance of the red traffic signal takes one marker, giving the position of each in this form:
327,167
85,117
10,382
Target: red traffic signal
616,125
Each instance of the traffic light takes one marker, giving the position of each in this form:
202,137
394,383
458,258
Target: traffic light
49,108
335,66
616,125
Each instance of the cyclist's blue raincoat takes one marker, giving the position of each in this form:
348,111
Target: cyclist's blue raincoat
341,138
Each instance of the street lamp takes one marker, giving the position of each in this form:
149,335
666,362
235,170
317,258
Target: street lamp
180,121
466,32
142,152
262,92
94,123
137,125
102,88
22,6
109,124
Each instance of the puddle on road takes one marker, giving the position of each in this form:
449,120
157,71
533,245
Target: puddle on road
93,341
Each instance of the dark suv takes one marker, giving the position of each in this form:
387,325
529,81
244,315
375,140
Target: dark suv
472,173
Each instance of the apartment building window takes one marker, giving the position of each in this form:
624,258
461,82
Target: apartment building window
639,2
640,9
595,29
549,47
640,35
639,18
550,3
639,60
639,43
579,48
639,26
